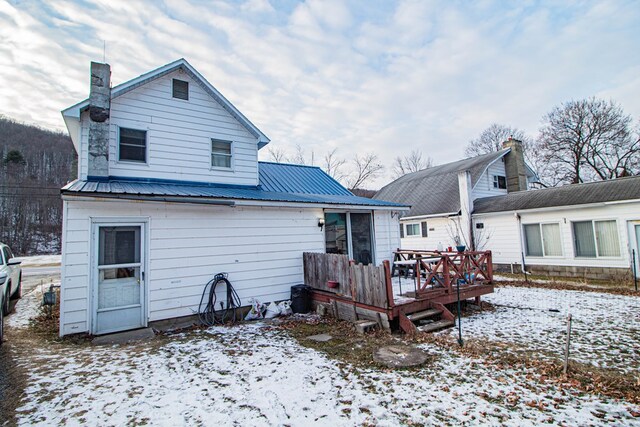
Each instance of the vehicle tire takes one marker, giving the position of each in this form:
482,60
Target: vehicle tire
18,293
6,304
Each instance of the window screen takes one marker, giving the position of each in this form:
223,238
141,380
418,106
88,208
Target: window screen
533,240
413,229
584,240
607,238
133,145
180,89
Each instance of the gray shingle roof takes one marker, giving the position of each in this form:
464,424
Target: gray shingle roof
567,195
435,190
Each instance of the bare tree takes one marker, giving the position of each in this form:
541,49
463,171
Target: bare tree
491,139
588,140
366,167
333,165
410,163
277,155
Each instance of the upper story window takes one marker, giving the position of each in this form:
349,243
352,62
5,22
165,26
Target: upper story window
133,145
180,89
220,154
499,182
542,239
594,239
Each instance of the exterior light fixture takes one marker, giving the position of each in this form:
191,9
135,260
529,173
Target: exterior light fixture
321,223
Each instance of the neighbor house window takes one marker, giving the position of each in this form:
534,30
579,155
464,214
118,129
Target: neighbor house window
413,230
542,239
596,239
220,154
499,182
133,145
180,89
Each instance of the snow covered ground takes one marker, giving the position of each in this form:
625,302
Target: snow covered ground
605,328
256,374
37,260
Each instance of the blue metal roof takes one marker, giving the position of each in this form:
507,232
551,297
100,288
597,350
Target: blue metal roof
279,183
300,179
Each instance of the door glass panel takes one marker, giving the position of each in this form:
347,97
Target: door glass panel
361,237
119,245
335,234
118,283
118,287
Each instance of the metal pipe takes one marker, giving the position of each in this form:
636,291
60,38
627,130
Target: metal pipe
635,273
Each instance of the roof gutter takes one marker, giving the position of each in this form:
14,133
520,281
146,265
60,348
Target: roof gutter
224,202
443,215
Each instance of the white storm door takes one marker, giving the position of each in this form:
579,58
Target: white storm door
120,278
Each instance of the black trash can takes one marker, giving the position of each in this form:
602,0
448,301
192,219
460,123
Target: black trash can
300,298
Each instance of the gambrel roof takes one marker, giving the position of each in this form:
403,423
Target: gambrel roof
434,191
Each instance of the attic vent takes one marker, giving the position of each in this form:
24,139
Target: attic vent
180,89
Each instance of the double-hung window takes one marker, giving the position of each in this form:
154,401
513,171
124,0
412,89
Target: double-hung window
542,240
133,145
220,154
594,239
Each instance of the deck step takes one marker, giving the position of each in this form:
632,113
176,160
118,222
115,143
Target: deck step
436,326
364,325
432,312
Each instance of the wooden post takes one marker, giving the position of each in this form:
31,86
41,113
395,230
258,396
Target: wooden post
566,349
389,285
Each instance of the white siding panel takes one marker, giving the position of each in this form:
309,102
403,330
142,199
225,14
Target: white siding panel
387,235
484,186
506,236
260,248
441,234
179,135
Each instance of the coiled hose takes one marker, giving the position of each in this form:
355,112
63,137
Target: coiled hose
209,315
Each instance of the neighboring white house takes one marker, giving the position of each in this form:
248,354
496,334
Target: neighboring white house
586,230
170,192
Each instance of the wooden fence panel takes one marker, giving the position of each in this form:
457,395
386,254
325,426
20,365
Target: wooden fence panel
365,284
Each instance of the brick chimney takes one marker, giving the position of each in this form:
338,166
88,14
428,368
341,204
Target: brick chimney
514,166
99,106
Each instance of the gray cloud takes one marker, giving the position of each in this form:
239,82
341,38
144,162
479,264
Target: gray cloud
327,74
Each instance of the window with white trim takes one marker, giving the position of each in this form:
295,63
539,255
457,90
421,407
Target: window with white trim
594,239
132,145
499,181
542,240
220,153
413,230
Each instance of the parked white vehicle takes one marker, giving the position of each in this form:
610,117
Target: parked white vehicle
10,283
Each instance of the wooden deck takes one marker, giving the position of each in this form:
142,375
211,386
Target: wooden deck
366,292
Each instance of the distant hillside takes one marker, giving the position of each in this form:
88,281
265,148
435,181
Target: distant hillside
34,164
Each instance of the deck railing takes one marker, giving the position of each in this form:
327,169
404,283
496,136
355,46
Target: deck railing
445,269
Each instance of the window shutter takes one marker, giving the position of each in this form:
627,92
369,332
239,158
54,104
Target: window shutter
424,229
401,231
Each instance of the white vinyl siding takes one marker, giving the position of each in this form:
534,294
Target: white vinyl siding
542,240
484,186
506,238
439,231
594,239
386,235
260,248
179,136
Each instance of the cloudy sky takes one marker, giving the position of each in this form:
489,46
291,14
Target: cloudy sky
360,76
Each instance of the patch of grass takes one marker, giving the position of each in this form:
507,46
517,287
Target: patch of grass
611,288
346,344
554,282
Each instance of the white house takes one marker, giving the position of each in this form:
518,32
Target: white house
170,192
586,230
